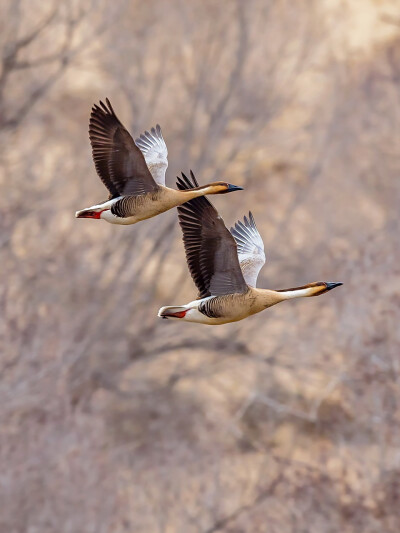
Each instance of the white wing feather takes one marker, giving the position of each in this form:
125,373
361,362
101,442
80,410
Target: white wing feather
154,149
250,249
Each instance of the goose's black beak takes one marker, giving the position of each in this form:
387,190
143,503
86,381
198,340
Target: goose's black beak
332,285
232,188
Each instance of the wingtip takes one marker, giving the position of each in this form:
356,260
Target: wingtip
194,178
103,107
185,182
99,108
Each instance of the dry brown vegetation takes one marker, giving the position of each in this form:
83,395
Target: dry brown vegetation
113,420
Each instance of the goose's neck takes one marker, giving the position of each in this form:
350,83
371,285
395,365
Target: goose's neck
297,292
199,191
312,289
268,297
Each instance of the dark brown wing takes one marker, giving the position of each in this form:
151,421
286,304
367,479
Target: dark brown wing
211,251
118,161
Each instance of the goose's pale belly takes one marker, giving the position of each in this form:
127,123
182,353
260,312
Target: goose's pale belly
216,310
142,213
141,207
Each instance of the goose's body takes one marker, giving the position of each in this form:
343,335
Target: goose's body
134,172
215,310
130,209
225,265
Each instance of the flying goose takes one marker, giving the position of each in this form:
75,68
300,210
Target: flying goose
133,173
225,265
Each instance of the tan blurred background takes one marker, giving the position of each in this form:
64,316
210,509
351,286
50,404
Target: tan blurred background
113,420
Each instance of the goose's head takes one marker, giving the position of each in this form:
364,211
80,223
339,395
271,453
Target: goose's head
221,187
316,288
312,289
321,287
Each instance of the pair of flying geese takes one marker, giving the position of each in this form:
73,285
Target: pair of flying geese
223,264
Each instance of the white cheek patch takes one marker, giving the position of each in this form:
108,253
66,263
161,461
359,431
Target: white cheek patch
296,294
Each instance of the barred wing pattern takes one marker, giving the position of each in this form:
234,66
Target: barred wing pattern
211,251
155,152
250,248
119,162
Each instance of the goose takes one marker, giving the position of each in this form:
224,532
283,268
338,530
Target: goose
134,173
224,266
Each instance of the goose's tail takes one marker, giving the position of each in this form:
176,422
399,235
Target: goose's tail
90,212
173,311
95,211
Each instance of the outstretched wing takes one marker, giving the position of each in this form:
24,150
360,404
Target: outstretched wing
119,162
155,152
211,251
250,248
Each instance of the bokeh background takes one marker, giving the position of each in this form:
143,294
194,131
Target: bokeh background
113,420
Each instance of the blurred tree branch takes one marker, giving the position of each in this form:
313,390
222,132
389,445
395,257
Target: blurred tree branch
57,61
